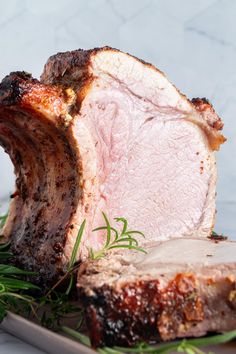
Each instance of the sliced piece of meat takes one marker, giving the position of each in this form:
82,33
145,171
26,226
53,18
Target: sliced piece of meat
181,288
103,131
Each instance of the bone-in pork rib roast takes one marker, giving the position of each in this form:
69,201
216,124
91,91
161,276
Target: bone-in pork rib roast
104,131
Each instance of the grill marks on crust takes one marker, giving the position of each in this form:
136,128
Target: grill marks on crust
47,175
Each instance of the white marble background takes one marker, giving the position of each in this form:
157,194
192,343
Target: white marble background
193,42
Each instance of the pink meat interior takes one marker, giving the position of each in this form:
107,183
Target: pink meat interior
152,166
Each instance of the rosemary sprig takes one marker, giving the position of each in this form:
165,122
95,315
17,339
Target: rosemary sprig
182,346
76,245
13,296
74,254
116,239
188,346
3,219
58,302
217,237
57,308
82,338
12,288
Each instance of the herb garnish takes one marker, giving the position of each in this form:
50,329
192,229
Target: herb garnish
12,288
74,254
116,239
13,296
188,346
216,237
59,302
3,219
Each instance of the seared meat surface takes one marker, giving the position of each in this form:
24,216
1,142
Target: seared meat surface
33,130
181,288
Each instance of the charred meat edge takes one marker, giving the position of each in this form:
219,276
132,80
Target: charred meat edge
34,132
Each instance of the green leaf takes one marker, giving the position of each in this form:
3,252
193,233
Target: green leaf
16,284
102,351
170,347
5,255
214,340
77,335
91,253
3,219
6,270
105,228
3,312
135,232
74,254
68,290
97,255
76,245
10,295
129,247
108,350
125,224
108,230
128,239
123,240
4,246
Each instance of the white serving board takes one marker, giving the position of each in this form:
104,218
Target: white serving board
53,343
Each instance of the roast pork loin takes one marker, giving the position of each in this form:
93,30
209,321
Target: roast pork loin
104,131
181,288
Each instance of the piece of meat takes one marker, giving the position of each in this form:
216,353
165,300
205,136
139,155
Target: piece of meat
181,288
34,132
153,148
104,131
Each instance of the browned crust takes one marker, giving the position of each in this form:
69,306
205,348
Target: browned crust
14,86
203,106
71,68
20,89
61,67
146,311
32,130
